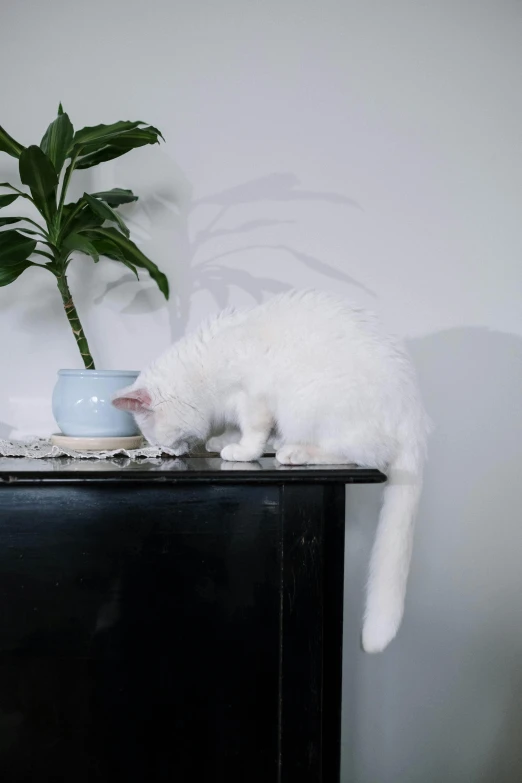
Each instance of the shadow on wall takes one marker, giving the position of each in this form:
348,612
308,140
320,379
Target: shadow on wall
195,262
505,762
442,703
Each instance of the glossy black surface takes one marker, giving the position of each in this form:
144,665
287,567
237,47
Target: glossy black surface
170,629
209,469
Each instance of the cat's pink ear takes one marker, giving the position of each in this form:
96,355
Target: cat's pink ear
133,400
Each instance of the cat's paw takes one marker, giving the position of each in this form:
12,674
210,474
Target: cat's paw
235,452
293,455
378,632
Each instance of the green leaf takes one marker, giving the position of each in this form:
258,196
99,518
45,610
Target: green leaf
116,196
102,133
14,247
82,244
126,141
9,145
30,231
37,171
78,215
116,145
45,254
150,130
57,141
86,218
132,254
6,200
101,156
60,109
12,187
9,274
6,221
130,266
106,247
105,212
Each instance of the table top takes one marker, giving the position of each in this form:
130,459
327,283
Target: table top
207,470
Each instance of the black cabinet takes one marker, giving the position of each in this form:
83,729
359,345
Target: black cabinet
175,621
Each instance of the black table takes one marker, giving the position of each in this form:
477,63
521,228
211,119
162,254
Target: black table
175,621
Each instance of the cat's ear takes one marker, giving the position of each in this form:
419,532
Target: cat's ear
133,400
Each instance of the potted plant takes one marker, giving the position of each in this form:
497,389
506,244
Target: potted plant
91,225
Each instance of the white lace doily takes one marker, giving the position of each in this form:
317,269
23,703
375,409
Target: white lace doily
39,448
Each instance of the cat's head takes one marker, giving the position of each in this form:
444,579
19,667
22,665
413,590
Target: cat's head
164,421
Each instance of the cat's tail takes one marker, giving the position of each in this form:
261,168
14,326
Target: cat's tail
391,553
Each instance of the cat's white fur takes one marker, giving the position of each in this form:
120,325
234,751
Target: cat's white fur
327,385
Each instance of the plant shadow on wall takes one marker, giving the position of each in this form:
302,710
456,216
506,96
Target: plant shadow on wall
197,256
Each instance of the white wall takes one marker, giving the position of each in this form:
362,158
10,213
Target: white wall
367,148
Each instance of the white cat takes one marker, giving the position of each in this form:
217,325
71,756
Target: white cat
321,380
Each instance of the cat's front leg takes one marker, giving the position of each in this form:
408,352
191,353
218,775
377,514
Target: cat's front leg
255,422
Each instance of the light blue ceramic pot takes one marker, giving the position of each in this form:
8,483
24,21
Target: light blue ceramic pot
82,403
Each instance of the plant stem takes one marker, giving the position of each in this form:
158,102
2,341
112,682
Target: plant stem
76,326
